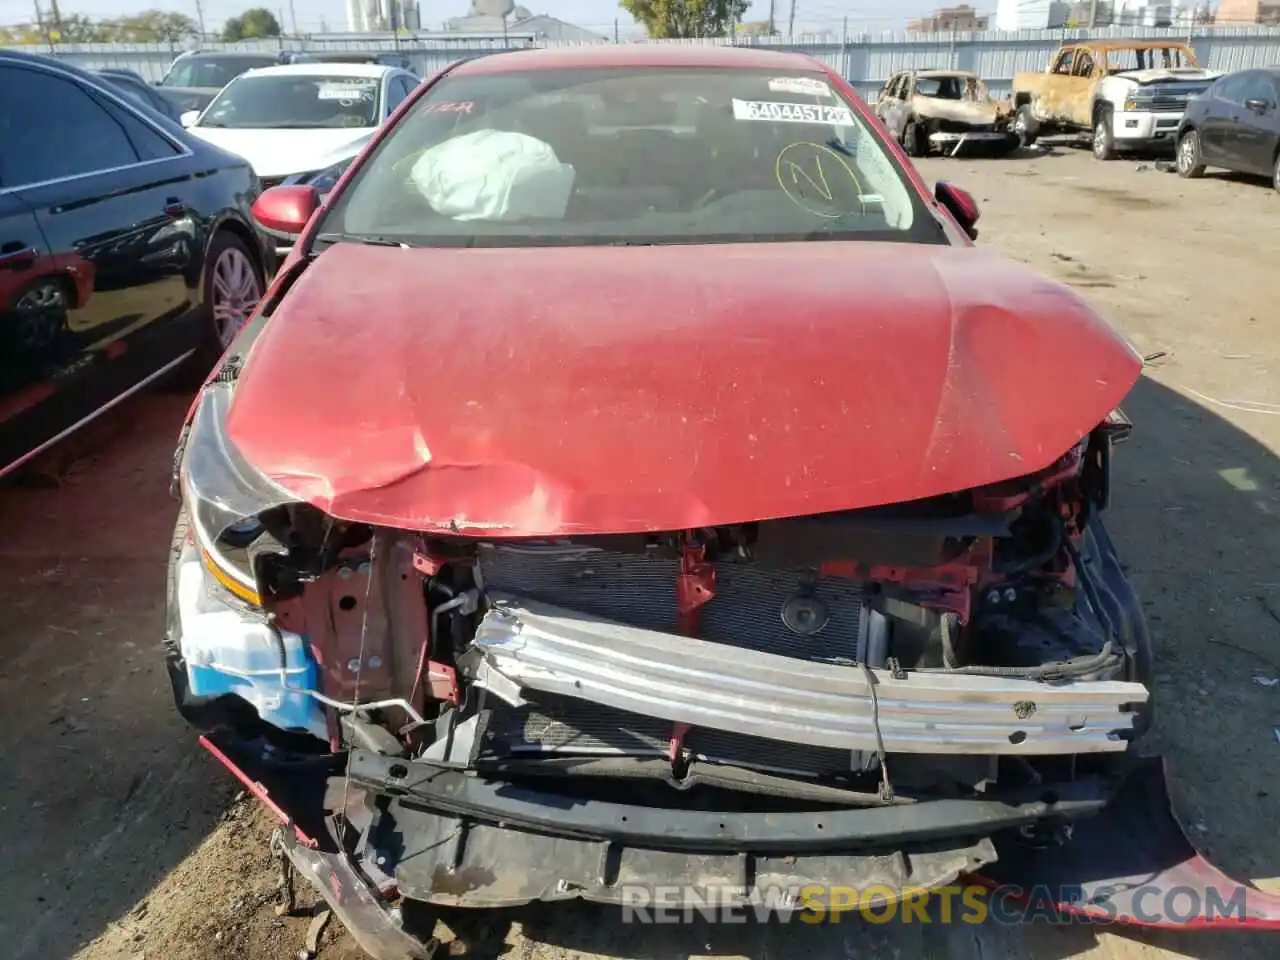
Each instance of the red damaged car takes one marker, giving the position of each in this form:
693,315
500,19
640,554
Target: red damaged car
636,476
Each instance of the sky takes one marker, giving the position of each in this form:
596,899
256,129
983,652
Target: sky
599,15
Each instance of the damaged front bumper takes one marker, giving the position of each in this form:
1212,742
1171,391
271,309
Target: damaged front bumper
439,837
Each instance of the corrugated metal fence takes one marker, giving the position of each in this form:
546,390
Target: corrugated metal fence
866,59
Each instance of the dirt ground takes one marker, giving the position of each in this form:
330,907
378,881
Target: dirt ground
120,839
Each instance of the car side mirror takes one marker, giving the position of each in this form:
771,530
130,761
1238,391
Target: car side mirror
961,205
189,118
1258,105
284,211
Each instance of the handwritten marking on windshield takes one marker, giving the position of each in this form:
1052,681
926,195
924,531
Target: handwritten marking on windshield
819,180
450,106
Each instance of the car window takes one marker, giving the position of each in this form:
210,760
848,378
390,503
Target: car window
943,88
1083,66
1258,86
1065,60
147,142
56,129
138,92
123,86
580,157
210,71
1144,58
295,102
1232,88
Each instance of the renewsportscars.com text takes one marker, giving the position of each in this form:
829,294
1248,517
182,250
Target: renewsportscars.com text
958,903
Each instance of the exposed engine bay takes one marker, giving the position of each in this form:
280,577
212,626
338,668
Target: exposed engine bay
981,641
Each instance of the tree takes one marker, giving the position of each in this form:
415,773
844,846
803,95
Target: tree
152,26
757,28
258,22
20,35
73,28
686,18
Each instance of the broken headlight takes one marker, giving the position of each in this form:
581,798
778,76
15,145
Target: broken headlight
224,496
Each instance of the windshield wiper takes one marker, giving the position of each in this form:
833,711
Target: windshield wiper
368,240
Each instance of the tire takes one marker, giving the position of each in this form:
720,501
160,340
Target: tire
1275,173
234,281
1025,126
913,140
1104,143
1190,161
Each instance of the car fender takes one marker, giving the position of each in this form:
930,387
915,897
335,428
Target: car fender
239,223
1112,91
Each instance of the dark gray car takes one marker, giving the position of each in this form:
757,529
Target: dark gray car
1235,125
141,92
194,79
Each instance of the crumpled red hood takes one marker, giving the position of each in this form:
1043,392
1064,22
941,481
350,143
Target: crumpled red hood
617,389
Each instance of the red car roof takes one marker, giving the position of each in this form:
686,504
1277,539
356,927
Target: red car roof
641,55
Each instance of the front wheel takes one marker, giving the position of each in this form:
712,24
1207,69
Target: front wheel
1104,145
1025,126
913,140
1275,173
234,284
1190,159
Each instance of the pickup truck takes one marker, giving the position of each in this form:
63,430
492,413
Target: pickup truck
1127,94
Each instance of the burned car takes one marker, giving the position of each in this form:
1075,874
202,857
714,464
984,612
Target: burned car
579,512
946,111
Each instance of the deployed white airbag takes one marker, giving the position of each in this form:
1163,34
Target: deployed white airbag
494,175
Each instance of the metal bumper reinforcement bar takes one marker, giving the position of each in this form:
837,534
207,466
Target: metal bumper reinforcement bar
525,645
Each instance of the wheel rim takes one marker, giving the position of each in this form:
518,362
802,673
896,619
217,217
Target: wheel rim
1100,138
47,296
236,291
1187,153
1020,125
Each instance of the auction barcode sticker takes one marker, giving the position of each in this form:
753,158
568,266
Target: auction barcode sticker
804,86
344,91
791,112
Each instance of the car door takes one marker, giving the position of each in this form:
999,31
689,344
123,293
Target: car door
884,100
1218,138
1087,71
897,111
1257,132
1062,90
1212,119
105,189
33,305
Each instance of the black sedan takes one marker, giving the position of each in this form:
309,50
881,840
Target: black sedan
127,251
1235,125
